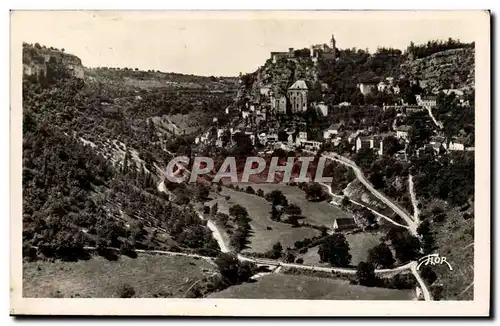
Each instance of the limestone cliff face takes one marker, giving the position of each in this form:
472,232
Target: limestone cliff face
447,69
35,61
281,75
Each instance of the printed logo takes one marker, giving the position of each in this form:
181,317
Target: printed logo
433,259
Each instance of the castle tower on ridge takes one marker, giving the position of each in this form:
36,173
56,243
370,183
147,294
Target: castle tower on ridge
333,43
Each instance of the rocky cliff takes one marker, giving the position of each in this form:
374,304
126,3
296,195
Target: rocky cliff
282,74
36,58
447,69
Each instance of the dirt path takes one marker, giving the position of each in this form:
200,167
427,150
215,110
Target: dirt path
211,225
437,123
413,196
412,226
329,188
423,287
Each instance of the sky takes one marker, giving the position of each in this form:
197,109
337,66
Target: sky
225,43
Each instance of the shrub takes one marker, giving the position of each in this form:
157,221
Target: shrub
303,250
126,291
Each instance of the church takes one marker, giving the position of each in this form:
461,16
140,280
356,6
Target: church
325,50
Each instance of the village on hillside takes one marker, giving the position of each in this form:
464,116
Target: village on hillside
109,208
282,120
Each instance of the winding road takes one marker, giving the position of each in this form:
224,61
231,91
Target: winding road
437,123
414,201
329,188
412,225
423,287
412,228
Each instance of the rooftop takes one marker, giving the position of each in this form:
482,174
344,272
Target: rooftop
335,126
299,84
438,139
403,128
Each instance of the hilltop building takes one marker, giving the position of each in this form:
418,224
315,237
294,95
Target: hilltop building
316,50
276,56
278,104
297,94
324,50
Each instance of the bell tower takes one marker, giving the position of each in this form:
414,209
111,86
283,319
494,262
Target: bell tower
333,43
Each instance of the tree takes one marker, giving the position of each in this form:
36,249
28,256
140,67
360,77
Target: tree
289,257
428,275
368,216
215,209
276,197
206,210
392,145
366,274
419,134
127,249
222,218
315,94
275,213
381,256
238,212
250,190
315,192
202,192
233,271
246,270
126,291
294,220
407,247
335,250
276,252
260,193
293,209
345,201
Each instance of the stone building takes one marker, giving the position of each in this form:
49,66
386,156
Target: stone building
367,87
297,95
278,104
325,50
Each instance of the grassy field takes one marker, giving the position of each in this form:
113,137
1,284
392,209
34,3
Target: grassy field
259,210
148,275
179,124
279,286
360,244
319,213
311,257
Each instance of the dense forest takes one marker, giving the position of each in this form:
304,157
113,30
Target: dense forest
75,196
354,66
431,47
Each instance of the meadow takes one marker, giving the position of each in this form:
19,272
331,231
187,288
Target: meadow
279,286
148,275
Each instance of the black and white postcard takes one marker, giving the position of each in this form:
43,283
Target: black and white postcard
250,163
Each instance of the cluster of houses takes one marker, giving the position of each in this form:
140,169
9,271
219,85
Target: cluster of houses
385,85
268,105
